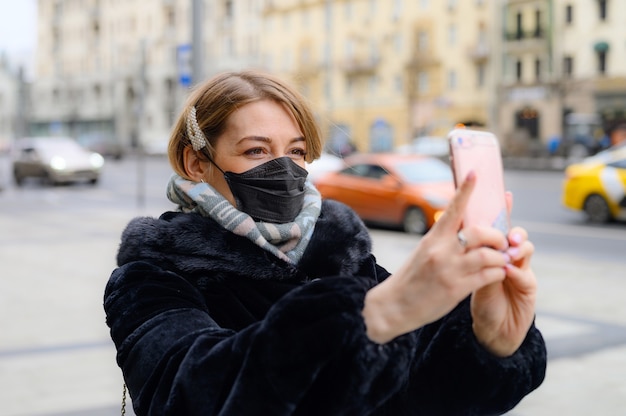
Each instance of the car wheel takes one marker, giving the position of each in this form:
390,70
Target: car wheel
414,221
597,209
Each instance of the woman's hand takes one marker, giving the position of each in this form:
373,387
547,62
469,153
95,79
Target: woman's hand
440,273
503,312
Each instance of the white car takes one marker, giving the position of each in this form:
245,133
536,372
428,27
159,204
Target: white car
54,160
326,163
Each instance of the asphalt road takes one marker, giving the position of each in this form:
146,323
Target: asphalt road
57,248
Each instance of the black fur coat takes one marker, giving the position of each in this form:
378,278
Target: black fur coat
207,323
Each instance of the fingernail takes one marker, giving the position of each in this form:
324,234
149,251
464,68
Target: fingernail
513,252
507,258
516,238
471,175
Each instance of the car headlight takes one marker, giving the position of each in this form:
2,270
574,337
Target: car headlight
97,161
58,163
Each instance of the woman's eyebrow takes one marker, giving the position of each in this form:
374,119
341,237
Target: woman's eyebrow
255,138
268,140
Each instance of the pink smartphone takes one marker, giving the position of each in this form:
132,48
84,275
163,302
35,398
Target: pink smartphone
479,151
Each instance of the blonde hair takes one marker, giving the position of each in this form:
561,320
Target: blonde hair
217,98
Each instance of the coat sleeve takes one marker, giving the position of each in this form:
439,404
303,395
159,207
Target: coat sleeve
452,374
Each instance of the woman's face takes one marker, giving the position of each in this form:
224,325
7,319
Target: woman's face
255,133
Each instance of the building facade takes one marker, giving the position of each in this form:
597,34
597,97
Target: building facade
383,72
560,57
378,73
121,67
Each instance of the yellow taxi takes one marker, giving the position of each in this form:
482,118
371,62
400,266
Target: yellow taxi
597,186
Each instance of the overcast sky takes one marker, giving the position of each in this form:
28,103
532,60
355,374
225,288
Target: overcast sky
18,23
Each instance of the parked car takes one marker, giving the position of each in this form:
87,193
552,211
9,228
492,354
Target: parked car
55,160
597,186
102,143
405,190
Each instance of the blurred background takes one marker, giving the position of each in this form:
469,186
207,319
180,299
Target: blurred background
545,76
387,79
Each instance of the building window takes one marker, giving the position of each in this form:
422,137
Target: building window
602,62
538,31
228,9
568,66
327,89
422,41
518,71
422,82
349,49
373,84
481,72
397,10
602,9
538,70
569,14
452,80
398,42
399,85
452,35
372,7
347,10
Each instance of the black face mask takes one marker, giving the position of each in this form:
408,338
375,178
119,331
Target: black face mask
271,192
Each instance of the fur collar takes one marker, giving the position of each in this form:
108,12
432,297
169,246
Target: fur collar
193,245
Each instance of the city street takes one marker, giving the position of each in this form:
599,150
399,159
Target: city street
58,246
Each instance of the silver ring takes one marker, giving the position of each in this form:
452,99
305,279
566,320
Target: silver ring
462,239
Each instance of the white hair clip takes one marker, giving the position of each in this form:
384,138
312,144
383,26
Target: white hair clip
198,141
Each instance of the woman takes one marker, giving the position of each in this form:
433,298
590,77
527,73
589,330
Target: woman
259,298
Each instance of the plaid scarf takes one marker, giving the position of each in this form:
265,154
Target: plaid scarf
286,241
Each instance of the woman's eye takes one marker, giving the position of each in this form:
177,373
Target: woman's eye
298,152
255,151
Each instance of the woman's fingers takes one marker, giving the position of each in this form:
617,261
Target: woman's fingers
482,258
520,250
452,217
481,236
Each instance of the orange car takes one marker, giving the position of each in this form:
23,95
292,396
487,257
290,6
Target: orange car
405,190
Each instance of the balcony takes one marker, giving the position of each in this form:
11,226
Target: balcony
479,52
535,40
520,35
421,60
357,66
308,70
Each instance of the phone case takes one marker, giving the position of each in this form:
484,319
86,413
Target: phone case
479,151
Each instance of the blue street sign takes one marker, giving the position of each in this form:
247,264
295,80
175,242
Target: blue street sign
183,60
